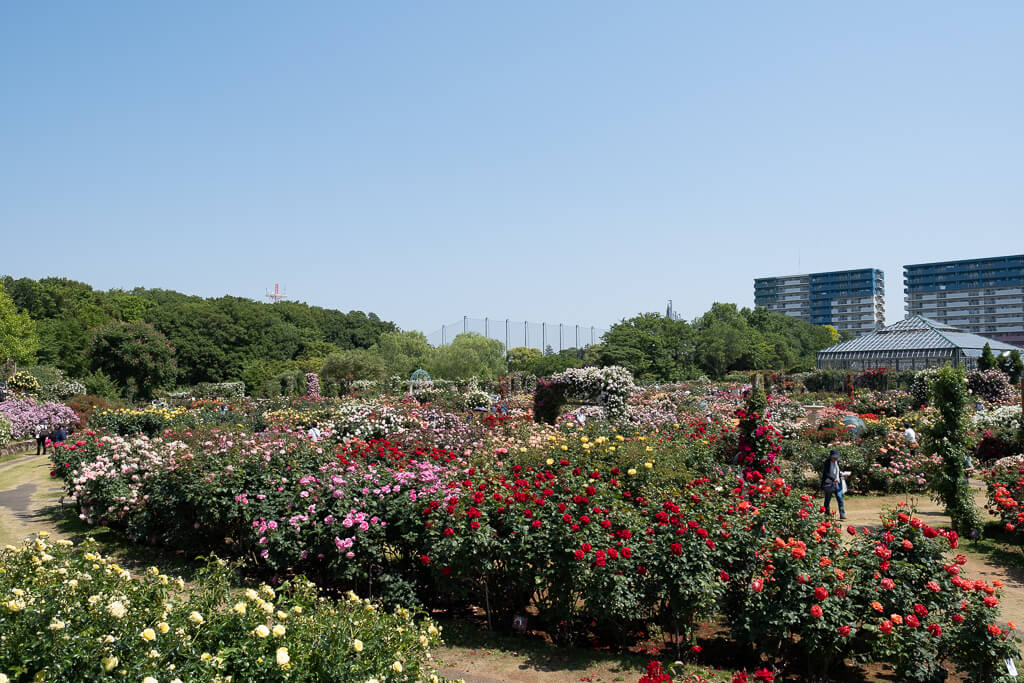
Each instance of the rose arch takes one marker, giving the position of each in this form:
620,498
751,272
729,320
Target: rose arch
608,387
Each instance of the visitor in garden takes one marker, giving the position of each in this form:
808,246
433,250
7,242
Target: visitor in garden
910,436
41,432
314,433
832,483
3,391
59,434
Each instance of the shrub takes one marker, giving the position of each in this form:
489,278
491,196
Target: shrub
72,614
6,432
990,385
99,383
23,382
25,414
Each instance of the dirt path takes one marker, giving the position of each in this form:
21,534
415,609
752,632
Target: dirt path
27,496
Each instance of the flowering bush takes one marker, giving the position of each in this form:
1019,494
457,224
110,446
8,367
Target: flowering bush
1002,423
23,383
5,430
24,414
71,614
990,385
312,386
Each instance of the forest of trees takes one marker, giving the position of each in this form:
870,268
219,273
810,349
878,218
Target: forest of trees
213,340
146,339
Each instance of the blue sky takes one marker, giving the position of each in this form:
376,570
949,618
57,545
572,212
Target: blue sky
569,161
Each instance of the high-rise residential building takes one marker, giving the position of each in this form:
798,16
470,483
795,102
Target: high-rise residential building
984,296
851,300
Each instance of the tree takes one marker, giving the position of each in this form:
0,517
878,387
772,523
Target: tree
833,335
403,352
352,365
651,346
523,358
135,355
469,355
18,340
1012,366
988,359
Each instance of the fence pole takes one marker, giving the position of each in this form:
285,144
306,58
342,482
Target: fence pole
465,323
543,337
487,328
442,335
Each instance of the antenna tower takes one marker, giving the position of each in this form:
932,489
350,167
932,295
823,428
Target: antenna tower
277,294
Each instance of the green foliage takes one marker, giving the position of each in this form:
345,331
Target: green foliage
135,355
987,361
402,352
948,438
469,355
215,339
346,367
652,347
1012,366
18,340
99,383
522,358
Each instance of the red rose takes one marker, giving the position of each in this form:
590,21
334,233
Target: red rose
757,585
677,548
885,626
935,630
820,593
425,559
844,631
816,611
724,576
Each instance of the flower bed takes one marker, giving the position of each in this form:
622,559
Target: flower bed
71,614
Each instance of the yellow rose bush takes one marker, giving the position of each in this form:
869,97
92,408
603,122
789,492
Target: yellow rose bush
68,613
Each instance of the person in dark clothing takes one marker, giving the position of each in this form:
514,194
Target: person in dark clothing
58,435
832,483
41,434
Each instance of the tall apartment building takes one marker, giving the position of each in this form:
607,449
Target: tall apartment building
983,296
852,300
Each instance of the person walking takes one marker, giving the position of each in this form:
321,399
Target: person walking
314,432
832,483
41,433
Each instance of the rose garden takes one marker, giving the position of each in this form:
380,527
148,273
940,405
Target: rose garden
580,509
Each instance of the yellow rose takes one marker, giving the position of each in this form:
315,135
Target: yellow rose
196,618
282,657
357,645
397,666
109,663
163,627
149,634
239,608
279,630
262,631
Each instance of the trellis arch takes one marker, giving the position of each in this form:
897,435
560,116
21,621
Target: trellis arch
608,387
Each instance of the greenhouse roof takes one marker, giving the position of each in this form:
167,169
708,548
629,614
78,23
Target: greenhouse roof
917,333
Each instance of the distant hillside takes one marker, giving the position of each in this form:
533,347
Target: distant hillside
215,339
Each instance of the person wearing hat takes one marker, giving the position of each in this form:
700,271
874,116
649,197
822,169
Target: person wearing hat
832,483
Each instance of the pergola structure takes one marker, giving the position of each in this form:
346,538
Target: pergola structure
915,343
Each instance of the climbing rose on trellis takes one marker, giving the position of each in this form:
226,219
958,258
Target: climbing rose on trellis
312,385
610,387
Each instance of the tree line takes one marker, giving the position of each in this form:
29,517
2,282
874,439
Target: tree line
184,339
134,342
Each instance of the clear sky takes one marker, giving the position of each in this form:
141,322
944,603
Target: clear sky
561,161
